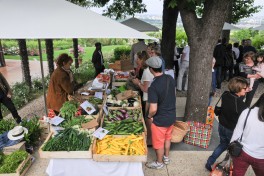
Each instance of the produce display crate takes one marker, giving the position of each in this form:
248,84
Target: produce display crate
64,154
11,149
115,108
22,169
122,65
120,158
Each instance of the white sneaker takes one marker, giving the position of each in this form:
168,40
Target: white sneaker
154,165
166,160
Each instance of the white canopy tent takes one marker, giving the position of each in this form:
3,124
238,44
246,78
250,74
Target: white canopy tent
228,26
140,25
42,19
53,19
259,28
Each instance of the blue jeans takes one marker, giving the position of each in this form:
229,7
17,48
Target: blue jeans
5,142
225,137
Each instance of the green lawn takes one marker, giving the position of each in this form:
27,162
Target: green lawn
108,52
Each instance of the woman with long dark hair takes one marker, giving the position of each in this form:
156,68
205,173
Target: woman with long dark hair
252,140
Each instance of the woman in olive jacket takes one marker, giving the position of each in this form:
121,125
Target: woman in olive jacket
61,83
231,108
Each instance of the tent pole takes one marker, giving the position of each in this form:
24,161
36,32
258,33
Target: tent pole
42,75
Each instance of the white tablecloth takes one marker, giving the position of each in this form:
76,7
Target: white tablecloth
88,167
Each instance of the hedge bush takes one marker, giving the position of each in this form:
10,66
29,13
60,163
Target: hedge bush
122,53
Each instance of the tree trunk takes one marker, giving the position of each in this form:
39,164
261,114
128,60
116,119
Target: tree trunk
50,54
75,52
226,33
2,58
169,20
202,35
24,61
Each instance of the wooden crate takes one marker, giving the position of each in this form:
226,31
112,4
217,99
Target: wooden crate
64,154
120,158
21,167
115,108
11,149
122,65
115,66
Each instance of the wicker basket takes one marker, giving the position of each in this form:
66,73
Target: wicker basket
179,131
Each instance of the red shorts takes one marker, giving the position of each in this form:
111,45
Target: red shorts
160,135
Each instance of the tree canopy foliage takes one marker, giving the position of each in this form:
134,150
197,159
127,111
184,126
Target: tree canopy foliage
240,9
118,9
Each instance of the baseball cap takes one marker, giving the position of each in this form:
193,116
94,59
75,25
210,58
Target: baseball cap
154,62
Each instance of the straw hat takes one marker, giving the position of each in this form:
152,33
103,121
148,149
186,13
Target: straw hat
17,133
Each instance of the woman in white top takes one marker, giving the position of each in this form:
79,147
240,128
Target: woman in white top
144,84
252,140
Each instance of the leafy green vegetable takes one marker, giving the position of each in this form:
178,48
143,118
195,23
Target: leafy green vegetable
6,125
69,140
74,121
34,131
68,109
12,161
95,100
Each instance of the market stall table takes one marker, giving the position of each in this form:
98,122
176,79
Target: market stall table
88,167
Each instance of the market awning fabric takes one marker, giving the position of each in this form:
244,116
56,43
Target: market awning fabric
228,26
51,19
140,25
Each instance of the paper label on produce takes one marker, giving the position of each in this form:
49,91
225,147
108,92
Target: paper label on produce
88,107
56,120
98,95
84,93
105,108
100,133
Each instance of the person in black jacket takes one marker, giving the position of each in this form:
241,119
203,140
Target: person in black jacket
98,59
219,55
5,99
232,106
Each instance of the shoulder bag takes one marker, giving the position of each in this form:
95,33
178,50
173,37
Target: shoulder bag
218,109
235,147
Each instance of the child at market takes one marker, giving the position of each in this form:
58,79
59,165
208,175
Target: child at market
259,68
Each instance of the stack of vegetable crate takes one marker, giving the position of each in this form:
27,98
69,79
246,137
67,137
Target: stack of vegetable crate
15,164
126,140
76,147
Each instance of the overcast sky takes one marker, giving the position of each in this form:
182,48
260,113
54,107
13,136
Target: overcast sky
154,7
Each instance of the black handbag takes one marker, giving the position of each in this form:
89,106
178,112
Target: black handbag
218,109
235,147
